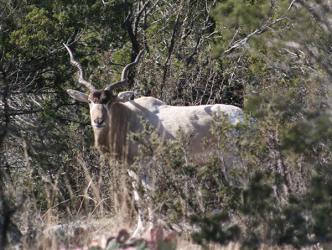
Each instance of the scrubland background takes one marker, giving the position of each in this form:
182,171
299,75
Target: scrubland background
271,58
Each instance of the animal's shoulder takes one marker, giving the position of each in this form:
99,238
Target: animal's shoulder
150,104
147,100
226,108
233,113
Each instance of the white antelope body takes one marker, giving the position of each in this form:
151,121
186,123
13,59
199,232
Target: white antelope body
113,117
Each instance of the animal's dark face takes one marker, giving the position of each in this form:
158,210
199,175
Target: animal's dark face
99,102
101,97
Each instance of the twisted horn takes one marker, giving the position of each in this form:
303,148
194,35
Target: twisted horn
81,79
123,80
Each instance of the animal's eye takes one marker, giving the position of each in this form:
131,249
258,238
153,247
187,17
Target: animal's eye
89,101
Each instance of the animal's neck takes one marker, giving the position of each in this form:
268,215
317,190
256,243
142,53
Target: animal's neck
111,141
102,142
118,131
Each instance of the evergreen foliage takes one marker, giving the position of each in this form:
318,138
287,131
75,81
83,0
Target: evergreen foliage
272,58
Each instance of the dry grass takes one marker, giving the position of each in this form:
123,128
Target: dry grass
112,211
82,232
79,233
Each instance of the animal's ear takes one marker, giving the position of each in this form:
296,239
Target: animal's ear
77,95
124,96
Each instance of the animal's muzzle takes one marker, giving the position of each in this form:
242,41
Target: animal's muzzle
99,123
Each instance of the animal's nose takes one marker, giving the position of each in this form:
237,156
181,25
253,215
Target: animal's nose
99,123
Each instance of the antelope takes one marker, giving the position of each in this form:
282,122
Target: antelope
115,116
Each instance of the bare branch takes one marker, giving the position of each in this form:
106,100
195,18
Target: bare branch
242,42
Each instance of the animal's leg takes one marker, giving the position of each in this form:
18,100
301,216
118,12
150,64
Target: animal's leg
148,188
139,203
140,223
144,215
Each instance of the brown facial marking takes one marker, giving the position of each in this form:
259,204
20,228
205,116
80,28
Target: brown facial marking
101,96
